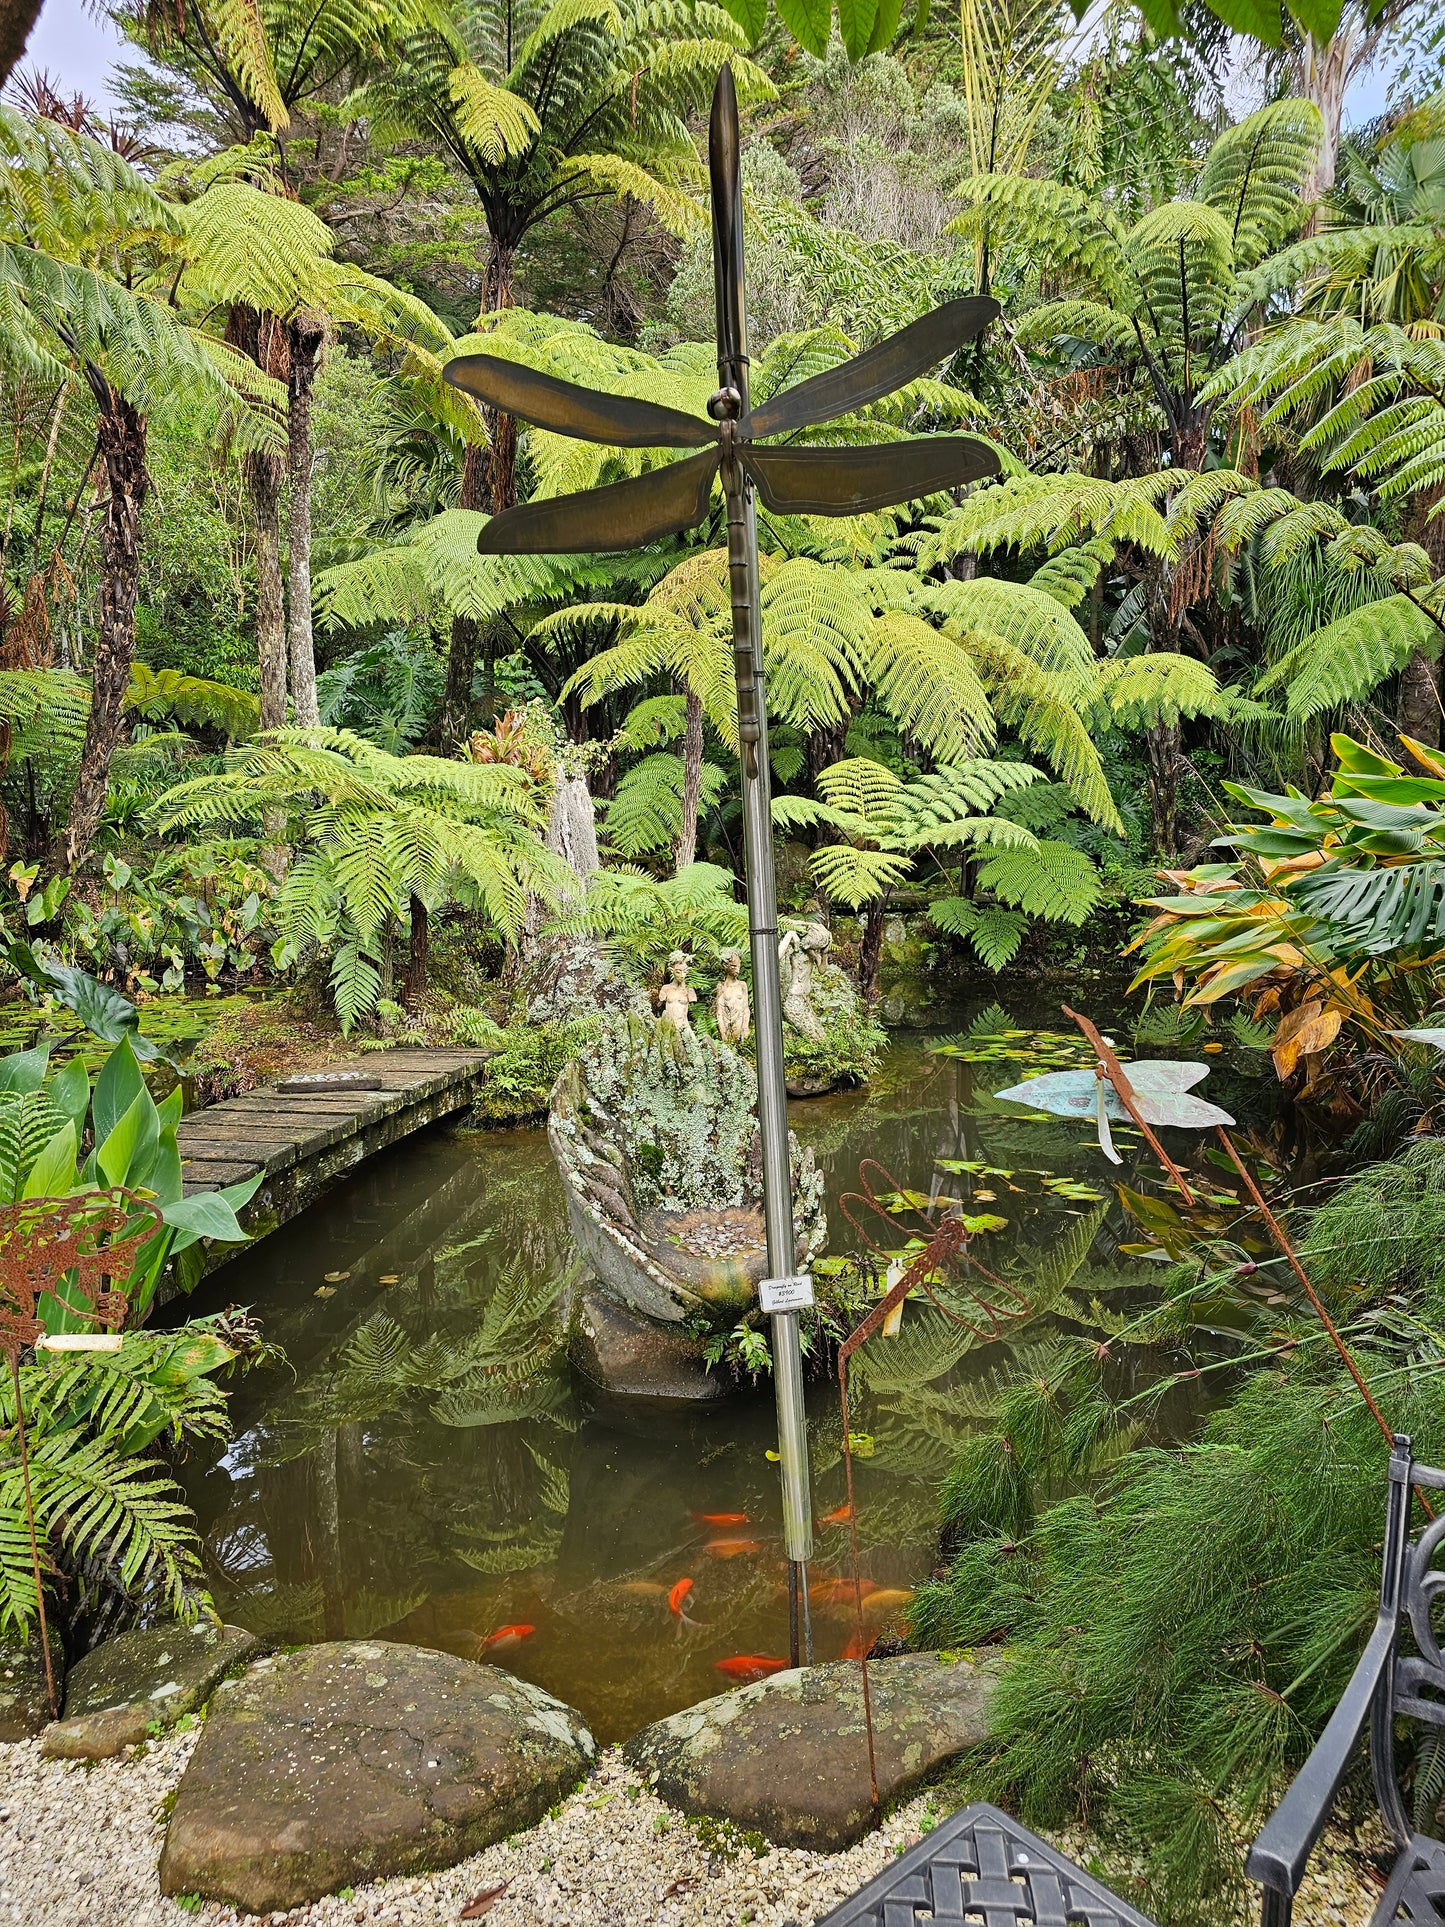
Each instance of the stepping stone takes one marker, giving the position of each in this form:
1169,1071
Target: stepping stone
24,1699
788,1757
116,1694
349,1762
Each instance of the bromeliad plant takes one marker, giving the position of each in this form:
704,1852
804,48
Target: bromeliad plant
1333,916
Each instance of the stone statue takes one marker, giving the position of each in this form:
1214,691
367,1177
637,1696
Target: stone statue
731,1009
676,995
797,956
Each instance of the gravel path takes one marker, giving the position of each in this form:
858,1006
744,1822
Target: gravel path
79,1846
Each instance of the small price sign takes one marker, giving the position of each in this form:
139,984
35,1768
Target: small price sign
786,1294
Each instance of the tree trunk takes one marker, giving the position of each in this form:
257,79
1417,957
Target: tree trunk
122,435
1420,701
691,783
1161,744
305,338
17,17
419,952
501,429
1324,75
871,953
462,655
261,471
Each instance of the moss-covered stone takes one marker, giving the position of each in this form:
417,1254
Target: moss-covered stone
115,1695
24,1697
788,1757
354,1761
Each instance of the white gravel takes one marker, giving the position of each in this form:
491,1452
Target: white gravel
79,1846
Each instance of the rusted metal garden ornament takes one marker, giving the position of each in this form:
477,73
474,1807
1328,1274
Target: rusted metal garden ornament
69,1250
944,1254
796,481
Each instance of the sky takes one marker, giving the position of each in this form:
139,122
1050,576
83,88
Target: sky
78,50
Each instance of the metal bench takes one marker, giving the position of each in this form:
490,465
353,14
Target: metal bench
982,1869
1390,1683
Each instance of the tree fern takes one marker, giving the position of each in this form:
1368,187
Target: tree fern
1346,659
1050,879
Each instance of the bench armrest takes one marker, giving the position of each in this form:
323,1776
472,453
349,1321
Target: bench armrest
1278,1858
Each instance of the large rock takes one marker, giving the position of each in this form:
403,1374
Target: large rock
129,1684
624,1355
788,1757
345,1763
24,1696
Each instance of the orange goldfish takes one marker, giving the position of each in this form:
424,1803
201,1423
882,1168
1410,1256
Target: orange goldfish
886,1599
857,1647
838,1518
840,1592
676,1597
721,1518
507,1636
731,1548
750,1666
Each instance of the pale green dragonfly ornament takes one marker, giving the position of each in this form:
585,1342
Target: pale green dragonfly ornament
1154,1092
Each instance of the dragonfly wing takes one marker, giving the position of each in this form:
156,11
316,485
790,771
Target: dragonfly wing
589,414
623,515
852,481
892,364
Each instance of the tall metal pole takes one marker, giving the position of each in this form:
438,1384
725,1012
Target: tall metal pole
730,406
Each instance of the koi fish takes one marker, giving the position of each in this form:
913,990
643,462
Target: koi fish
731,1548
857,1647
887,1599
838,1518
721,1518
676,1597
840,1592
507,1636
747,1667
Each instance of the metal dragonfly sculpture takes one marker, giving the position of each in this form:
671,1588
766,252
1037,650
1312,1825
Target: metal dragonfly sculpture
677,496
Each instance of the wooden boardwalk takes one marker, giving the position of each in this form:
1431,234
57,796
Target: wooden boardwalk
302,1140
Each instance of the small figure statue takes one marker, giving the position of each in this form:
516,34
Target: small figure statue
796,958
731,1009
676,994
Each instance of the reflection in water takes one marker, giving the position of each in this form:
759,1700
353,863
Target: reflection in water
426,1471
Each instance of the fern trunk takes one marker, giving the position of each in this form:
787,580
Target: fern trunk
306,336
419,952
501,429
871,954
261,471
1420,701
122,437
691,783
462,654
1324,76
1161,745
17,17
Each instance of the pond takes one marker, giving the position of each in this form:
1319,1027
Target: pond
362,1496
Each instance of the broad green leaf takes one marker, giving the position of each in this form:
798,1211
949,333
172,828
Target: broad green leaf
53,1173
25,1069
70,1089
126,1153
171,1109
885,26
751,16
856,21
193,1355
1256,17
808,21
1318,18
165,1172
206,1215
116,1089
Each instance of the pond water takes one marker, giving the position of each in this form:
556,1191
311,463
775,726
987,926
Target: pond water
363,1495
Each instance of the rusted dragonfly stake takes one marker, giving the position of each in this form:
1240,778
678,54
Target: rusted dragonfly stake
678,496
